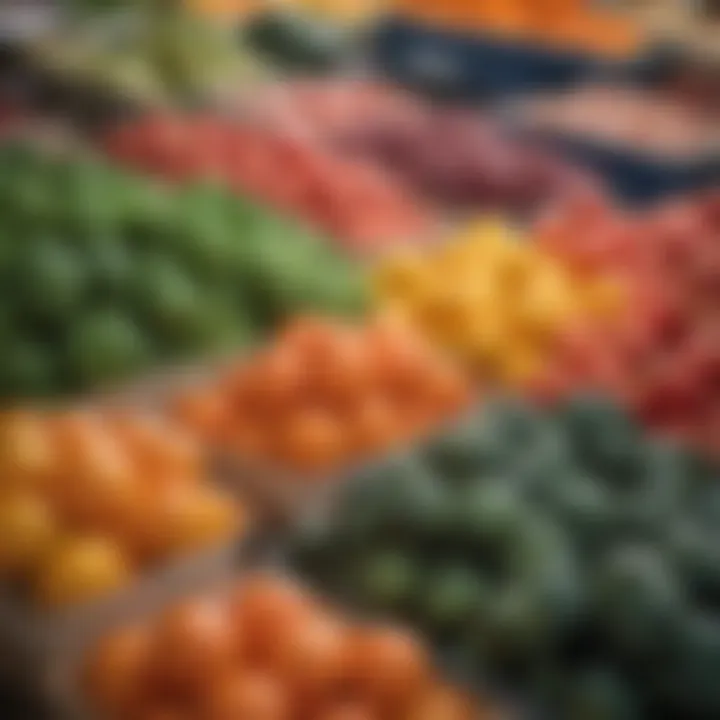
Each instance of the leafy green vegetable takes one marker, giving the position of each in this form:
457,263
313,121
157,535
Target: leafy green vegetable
115,273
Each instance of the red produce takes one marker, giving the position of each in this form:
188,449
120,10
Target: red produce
663,359
450,155
356,202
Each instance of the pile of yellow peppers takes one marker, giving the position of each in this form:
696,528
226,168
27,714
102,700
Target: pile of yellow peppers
492,298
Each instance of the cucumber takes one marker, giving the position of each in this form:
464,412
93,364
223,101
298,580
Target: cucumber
639,600
387,580
600,694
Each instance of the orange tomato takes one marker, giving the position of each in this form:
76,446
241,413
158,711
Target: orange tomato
97,479
72,430
99,501
159,450
310,655
279,378
312,337
82,569
325,393
398,357
389,665
447,387
194,644
267,606
374,424
117,675
170,520
391,333
143,531
312,439
247,694
343,373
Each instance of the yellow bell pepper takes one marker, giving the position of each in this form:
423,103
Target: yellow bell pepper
492,298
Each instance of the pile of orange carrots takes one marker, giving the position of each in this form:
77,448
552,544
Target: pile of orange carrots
572,24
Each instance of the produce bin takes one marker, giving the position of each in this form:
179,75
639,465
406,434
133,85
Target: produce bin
450,660
476,66
267,575
40,647
281,495
42,651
